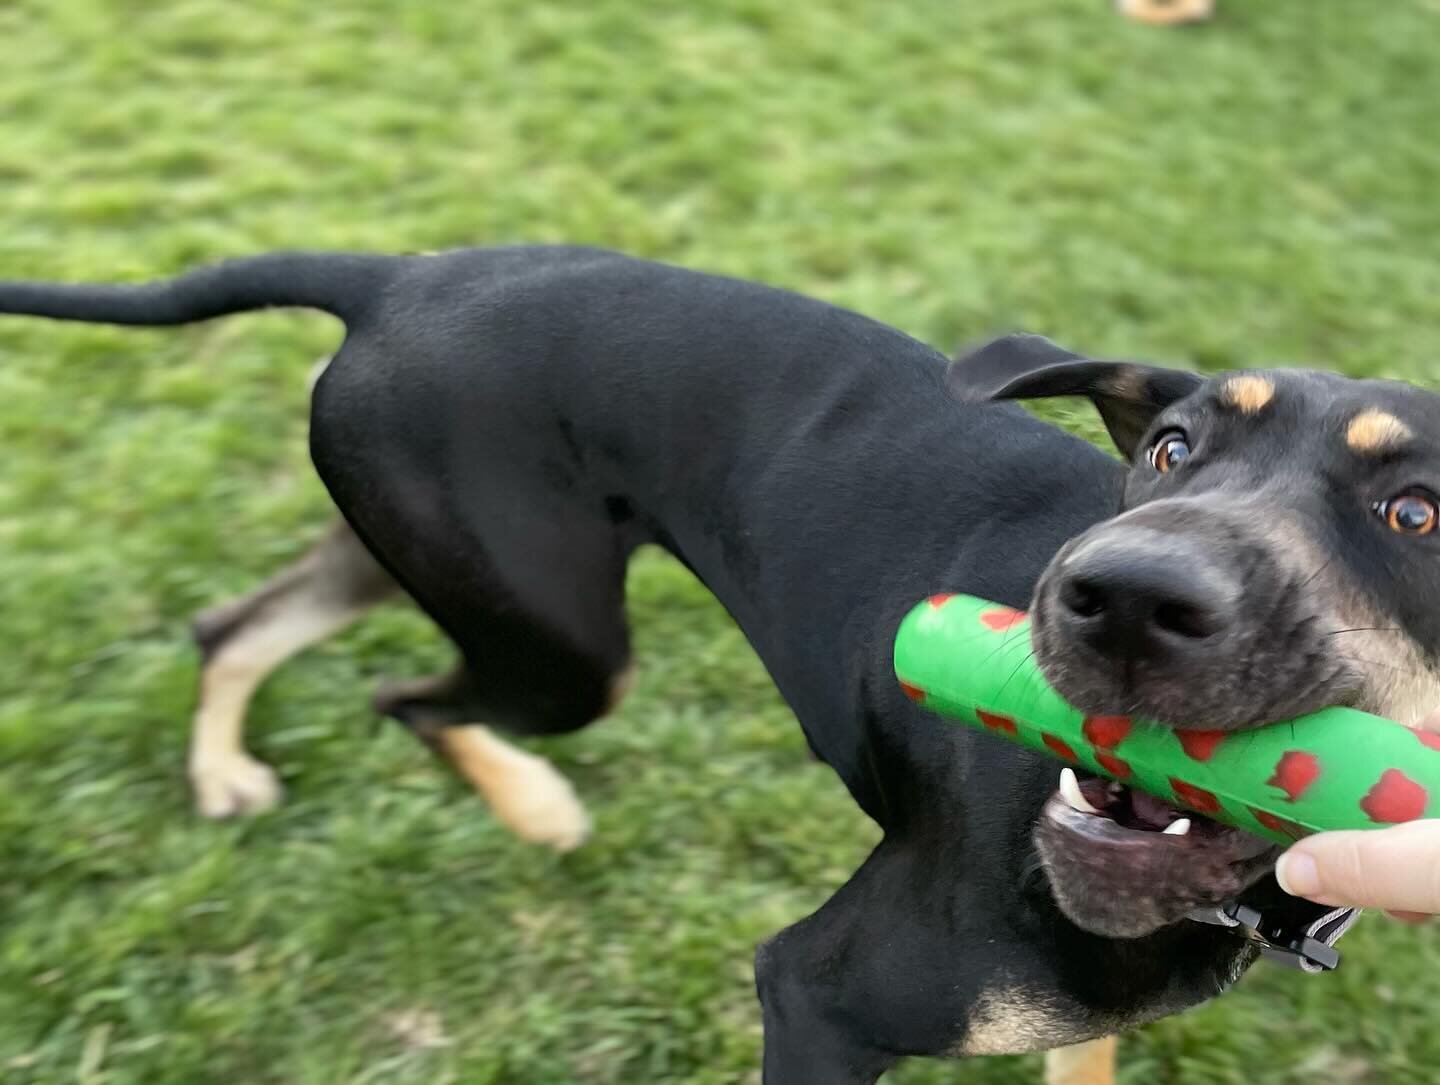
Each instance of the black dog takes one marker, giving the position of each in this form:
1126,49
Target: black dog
503,428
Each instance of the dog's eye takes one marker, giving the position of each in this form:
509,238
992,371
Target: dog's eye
1411,514
1170,451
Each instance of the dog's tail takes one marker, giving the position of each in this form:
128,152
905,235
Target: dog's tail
343,284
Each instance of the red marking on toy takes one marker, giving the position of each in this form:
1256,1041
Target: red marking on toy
1200,745
915,693
1394,799
1059,747
1002,619
1294,773
1429,738
1117,768
1197,798
1107,732
1280,825
995,722
938,601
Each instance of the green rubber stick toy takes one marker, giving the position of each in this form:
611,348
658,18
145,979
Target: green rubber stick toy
1336,769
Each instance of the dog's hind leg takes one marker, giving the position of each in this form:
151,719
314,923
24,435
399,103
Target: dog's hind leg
521,674
1084,1064
241,642
489,518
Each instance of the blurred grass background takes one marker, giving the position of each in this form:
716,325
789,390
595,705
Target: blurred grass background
1259,189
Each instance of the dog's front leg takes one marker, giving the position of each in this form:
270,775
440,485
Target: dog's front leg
866,980
811,1037
809,1040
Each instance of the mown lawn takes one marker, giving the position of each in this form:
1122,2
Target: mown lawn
1263,188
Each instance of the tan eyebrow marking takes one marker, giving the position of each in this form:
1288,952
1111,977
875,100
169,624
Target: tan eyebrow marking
1248,395
1375,430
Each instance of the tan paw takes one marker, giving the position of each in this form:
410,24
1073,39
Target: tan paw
234,785
1167,12
539,806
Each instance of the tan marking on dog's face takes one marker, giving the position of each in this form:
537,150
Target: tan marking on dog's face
1396,679
1248,394
1091,1063
1399,684
1376,431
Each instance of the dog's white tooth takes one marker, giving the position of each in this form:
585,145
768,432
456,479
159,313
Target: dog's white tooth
1178,827
1071,793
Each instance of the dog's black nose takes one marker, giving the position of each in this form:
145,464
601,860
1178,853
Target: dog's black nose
1143,599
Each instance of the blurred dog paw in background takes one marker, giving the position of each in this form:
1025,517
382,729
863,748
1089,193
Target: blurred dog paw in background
1167,12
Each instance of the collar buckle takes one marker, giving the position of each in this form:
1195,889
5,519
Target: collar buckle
1310,948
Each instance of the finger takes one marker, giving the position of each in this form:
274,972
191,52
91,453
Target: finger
1396,868
1410,917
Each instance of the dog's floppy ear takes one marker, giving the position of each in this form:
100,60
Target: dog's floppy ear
1127,396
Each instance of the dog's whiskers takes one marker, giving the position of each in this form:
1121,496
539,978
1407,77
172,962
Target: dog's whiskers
1318,572
1026,658
1376,663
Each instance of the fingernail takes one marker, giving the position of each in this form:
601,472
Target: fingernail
1297,874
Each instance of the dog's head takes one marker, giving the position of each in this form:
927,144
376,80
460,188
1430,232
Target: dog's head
1276,550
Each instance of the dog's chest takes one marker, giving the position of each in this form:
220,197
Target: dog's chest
1019,1020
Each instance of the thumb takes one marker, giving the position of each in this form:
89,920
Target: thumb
1397,868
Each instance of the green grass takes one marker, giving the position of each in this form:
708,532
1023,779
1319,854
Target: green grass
1259,189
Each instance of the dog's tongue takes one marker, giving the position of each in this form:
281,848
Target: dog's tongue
1149,811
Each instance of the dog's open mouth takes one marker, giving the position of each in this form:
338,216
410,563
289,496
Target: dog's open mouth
1124,864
